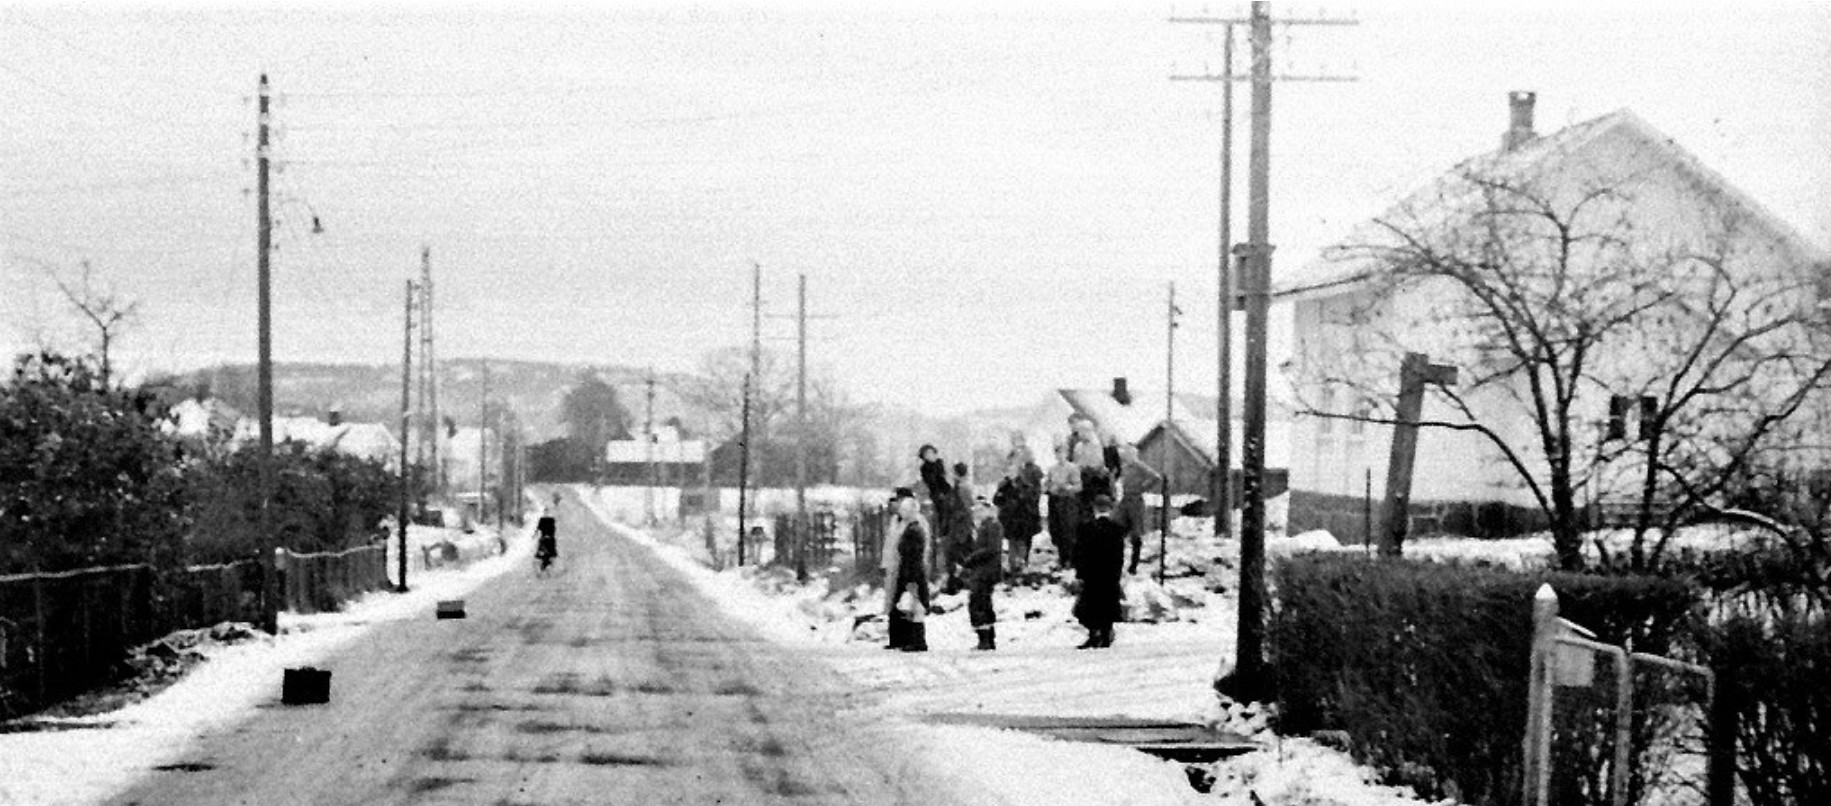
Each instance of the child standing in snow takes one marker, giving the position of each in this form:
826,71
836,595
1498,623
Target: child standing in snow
984,569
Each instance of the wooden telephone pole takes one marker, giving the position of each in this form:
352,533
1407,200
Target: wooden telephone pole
405,515
1168,441
1248,680
1415,373
801,525
270,578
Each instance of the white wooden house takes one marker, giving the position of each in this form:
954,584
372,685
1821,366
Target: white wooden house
1659,199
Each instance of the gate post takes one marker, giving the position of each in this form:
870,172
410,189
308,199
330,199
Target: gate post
1725,703
1536,770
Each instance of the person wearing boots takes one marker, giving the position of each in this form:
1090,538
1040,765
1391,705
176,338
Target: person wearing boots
1064,486
1099,563
910,588
1135,479
959,531
984,569
893,535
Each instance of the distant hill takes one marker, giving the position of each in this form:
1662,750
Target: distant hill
536,389
371,393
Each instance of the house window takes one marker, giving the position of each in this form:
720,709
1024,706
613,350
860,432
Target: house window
1326,405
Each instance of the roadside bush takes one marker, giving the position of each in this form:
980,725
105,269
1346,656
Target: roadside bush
87,477
1775,671
1425,665
322,501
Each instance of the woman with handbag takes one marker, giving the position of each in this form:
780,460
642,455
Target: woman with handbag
908,587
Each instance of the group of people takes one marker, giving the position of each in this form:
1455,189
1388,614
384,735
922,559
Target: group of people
1095,506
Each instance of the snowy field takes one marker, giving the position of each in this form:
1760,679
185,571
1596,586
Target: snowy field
1162,669
88,759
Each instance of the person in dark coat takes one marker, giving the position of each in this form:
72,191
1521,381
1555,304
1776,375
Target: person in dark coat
1099,563
941,494
1018,497
910,586
984,570
959,530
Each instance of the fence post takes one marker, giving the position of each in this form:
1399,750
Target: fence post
1536,770
1725,709
1624,730
38,649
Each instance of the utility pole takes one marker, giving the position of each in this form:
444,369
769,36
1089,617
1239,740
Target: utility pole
743,477
1416,372
801,524
1249,653
1228,299
1223,497
648,442
270,585
1248,678
1169,430
431,427
483,443
400,585
757,354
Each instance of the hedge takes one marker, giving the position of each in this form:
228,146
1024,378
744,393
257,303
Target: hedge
1776,672
1424,665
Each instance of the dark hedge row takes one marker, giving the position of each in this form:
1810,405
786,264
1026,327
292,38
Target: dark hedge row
1424,665
1776,673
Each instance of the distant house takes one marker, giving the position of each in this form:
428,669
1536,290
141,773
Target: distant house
1660,201
662,460
1138,419
208,419
1185,450
366,440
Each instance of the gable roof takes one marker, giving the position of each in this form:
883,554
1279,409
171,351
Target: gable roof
1447,197
1199,435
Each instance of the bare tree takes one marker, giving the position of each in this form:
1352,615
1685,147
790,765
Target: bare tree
1555,297
837,440
105,308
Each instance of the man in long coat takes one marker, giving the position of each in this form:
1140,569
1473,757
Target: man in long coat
1099,563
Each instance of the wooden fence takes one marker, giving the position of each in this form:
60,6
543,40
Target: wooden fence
822,538
321,583
63,633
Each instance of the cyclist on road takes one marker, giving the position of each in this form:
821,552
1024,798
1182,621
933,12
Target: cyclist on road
547,545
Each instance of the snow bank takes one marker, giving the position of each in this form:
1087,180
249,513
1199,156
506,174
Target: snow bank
1300,771
90,764
1012,767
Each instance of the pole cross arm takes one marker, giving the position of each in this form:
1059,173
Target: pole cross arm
1417,367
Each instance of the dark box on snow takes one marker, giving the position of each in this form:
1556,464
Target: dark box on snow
306,686
451,608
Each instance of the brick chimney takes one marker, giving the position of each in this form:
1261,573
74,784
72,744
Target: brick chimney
1121,393
334,416
1519,123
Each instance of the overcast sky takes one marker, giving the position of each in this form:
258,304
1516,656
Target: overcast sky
986,202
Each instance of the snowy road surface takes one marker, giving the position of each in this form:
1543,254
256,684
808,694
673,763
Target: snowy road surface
612,681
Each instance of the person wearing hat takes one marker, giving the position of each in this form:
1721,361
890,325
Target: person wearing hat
908,588
984,567
1099,563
